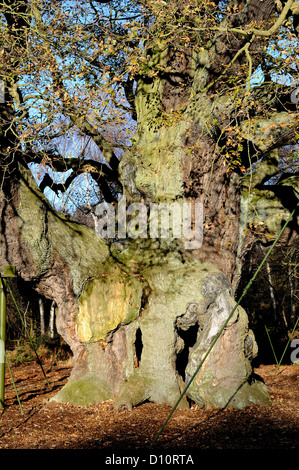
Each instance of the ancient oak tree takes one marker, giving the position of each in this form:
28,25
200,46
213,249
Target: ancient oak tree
158,102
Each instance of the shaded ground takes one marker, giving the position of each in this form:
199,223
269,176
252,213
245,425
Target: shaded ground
49,425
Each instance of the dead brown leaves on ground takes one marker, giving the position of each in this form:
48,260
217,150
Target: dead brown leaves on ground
50,425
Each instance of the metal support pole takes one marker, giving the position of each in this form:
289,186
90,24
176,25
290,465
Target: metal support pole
7,271
2,338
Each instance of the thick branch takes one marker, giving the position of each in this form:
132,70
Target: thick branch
56,187
62,187
100,172
62,164
291,5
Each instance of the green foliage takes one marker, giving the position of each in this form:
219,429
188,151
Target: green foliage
23,352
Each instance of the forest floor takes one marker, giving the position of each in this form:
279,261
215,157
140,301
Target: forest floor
51,425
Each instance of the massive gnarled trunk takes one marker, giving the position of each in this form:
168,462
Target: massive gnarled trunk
124,310
140,314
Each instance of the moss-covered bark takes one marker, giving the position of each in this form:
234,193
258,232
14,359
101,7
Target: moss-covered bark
121,305
107,295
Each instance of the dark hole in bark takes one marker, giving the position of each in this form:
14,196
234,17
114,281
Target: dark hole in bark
144,298
189,337
138,347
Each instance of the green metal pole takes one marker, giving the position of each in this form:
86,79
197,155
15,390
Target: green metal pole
2,338
5,271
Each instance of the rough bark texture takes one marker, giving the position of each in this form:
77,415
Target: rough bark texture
128,309
118,306
121,309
